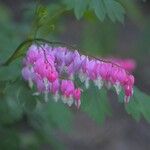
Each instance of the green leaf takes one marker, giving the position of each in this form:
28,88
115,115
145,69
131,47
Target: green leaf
10,111
17,99
119,11
99,9
49,116
109,9
95,103
114,10
26,98
57,115
80,7
20,50
10,72
10,106
133,108
139,105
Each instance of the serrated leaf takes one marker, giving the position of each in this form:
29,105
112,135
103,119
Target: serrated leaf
80,7
114,10
119,11
99,9
139,105
109,9
95,103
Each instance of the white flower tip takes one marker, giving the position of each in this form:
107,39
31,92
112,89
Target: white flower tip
56,97
126,99
117,87
36,94
87,83
30,83
78,103
70,102
71,77
81,77
64,99
99,83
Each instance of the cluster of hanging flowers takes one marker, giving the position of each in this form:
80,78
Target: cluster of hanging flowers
52,71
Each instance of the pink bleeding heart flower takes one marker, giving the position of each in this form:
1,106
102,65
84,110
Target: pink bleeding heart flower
67,88
45,66
55,87
33,54
27,73
46,70
52,76
77,97
55,90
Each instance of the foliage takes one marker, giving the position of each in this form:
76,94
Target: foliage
17,103
112,8
94,103
139,105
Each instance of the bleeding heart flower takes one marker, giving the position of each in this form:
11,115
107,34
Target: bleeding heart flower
53,69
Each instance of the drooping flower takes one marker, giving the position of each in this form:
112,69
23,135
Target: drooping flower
52,70
28,75
77,97
67,89
55,89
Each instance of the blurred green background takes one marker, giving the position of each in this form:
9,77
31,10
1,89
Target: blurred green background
26,122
